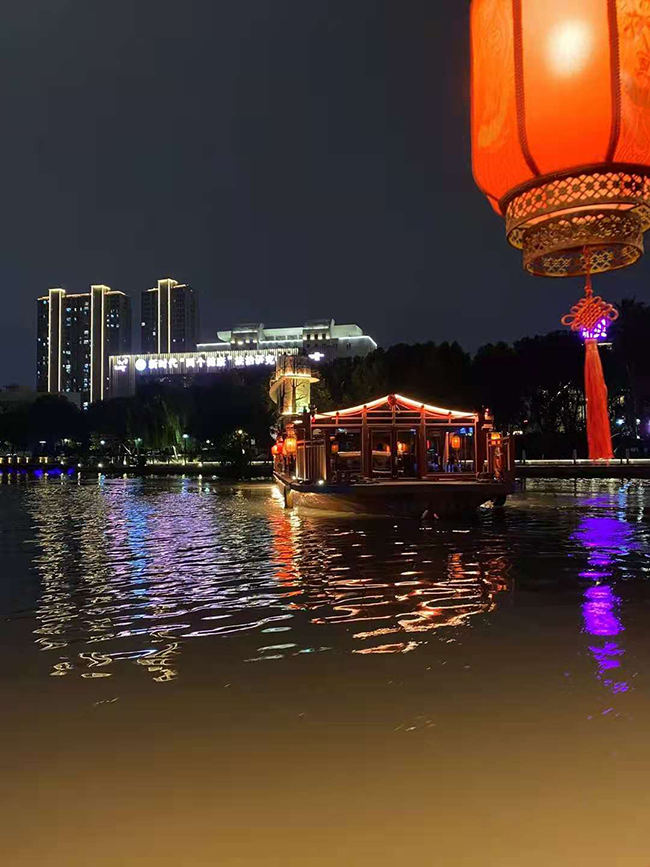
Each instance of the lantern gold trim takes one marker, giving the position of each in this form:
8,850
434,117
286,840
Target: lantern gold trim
605,210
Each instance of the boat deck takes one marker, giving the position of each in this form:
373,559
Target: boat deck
441,496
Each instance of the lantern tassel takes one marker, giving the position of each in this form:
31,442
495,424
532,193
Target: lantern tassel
599,435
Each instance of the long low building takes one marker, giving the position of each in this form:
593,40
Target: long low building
322,338
245,346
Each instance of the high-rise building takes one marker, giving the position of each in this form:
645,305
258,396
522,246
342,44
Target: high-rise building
76,334
169,318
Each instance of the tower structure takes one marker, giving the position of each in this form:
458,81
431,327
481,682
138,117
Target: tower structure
76,334
290,387
169,321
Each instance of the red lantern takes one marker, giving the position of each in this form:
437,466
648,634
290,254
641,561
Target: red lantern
276,449
561,128
455,441
290,445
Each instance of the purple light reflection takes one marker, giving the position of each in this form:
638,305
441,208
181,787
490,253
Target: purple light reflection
608,656
604,539
598,612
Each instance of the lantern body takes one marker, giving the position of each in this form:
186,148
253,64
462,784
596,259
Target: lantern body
454,441
561,127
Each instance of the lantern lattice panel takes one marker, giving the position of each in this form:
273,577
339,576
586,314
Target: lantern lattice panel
587,188
555,247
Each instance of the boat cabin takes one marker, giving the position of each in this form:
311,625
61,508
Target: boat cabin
392,438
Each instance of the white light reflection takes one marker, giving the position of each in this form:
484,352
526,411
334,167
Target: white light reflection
569,47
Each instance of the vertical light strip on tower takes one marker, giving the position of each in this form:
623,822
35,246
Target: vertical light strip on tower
169,315
54,348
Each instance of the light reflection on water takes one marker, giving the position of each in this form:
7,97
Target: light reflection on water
235,684
131,571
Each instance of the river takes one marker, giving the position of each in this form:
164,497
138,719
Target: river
192,675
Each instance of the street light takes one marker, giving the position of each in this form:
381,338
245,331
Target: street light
185,439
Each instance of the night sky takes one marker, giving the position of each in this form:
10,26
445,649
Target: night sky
291,159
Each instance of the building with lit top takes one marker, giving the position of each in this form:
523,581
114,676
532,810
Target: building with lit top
169,318
243,347
76,335
321,338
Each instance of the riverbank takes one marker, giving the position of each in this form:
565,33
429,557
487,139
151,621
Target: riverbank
582,469
211,469
263,470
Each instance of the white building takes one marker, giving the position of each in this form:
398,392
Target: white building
322,338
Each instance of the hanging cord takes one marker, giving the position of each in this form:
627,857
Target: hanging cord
589,291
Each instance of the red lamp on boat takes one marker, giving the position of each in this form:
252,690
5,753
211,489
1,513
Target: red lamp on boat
455,441
290,446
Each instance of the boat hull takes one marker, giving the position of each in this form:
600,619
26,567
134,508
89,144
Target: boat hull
444,499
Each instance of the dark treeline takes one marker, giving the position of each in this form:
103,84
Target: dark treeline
534,385
224,418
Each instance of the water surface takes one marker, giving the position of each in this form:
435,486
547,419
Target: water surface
193,675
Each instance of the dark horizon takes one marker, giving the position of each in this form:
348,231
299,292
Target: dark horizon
290,161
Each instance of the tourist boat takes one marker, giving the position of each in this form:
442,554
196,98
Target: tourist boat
392,456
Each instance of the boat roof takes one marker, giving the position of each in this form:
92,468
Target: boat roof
403,406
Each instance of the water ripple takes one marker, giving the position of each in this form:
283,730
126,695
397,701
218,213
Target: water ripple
133,572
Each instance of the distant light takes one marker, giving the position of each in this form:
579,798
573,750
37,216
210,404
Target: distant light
100,466
620,422
140,364
638,421
102,442
186,436
321,481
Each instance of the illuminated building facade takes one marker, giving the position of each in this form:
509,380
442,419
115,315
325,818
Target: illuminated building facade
76,335
244,347
169,318
126,371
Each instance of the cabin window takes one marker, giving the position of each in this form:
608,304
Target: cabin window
450,449
406,459
347,453
381,461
